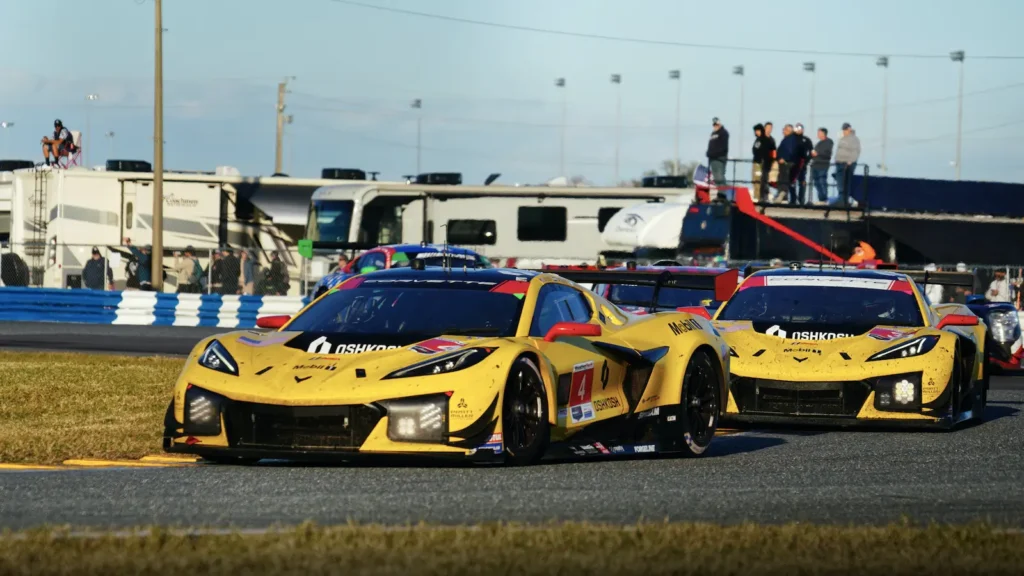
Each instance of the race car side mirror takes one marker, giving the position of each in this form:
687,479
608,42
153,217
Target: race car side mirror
696,311
958,320
273,322
572,329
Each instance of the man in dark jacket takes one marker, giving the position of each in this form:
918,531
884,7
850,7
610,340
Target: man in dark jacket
806,147
145,264
93,272
757,161
789,155
768,159
821,157
718,151
230,269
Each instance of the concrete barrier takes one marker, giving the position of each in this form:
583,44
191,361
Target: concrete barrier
134,307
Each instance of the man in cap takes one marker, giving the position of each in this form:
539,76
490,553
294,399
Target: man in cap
718,151
145,264
94,271
847,154
806,147
760,153
62,143
188,271
789,155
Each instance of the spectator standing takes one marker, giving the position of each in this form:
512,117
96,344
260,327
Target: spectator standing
230,269
821,157
806,148
789,153
768,154
144,261
278,275
94,271
718,151
759,151
999,288
248,273
188,271
212,274
847,154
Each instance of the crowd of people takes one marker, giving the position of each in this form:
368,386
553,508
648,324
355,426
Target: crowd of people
786,165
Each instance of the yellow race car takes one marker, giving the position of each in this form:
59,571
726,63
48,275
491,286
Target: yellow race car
850,346
487,364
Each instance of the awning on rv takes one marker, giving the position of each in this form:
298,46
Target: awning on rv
282,204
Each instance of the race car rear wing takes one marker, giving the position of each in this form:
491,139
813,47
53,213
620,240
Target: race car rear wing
926,277
721,282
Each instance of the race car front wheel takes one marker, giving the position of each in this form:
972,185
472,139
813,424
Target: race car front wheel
524,414
700,402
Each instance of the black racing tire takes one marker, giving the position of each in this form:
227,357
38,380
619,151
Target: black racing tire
525,430
700,404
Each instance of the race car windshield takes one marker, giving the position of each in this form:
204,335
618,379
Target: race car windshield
667,297
409,311
404,260
836,305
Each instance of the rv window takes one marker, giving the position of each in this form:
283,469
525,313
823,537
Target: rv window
330,220
604,215
542,223
128,216
472,232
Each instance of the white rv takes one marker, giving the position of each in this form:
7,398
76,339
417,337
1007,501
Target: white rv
531,224
52,218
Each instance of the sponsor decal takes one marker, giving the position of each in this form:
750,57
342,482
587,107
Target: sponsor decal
680,327
643,448
606,404
654,398
328,367
461,410
886,334
618,449
777,330
650,413
580,388
426,281
322,346
493,444
435,345
729,328
837,281
175,202
562,412
600,448
449,255
589,449
299,379
801,350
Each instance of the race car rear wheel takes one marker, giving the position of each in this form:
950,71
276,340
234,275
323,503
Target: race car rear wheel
524,415
701,399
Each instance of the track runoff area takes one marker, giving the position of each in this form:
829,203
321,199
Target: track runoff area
79,450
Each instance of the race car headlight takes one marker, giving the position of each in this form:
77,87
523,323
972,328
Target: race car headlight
1003,324
444,364
915,347
202,412
420,419
216,357
898,393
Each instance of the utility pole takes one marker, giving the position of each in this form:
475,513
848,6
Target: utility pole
958,56
279,152
674,75
809,67
883,61
417,105
158,154
88,125
738,71
617,80
560,83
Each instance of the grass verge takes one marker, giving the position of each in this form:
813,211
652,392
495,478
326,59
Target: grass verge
59,406
508,549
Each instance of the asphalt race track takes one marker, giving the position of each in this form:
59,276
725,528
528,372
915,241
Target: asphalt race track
162,340
772,476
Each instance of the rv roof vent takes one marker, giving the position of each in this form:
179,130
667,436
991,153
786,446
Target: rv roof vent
446,178
666,182
12,165
343,174
128,166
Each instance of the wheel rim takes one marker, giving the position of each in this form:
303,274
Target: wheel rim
701,403
523,410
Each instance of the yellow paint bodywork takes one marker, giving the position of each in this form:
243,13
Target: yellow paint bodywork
472,390
822,360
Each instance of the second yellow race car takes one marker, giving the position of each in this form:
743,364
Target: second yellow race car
494,365
850,346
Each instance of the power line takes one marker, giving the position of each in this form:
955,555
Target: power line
633,40
928,101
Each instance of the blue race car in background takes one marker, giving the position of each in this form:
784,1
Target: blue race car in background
1005,344
399,256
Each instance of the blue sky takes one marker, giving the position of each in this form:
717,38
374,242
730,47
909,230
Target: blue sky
489,100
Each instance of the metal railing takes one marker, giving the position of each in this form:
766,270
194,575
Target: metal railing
835,182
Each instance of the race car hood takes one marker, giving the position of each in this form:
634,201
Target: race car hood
308,368
814,352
